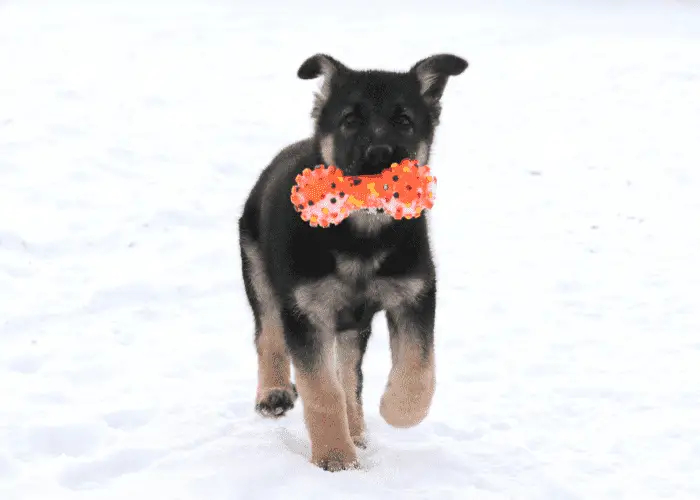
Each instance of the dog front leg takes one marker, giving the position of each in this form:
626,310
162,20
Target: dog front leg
350,349
321,393
409,391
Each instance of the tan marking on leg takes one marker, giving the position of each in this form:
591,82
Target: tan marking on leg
348,356
409,392
326,418
274,367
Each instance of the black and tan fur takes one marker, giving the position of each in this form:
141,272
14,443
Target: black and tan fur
314,291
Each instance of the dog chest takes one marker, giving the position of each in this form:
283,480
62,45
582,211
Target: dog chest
354,293
373,293
355,270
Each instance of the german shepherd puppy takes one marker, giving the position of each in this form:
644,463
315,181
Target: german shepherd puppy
314,291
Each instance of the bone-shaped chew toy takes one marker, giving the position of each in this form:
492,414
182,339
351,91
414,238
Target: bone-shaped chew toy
325,196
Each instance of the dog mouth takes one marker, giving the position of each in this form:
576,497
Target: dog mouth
374,159
368,167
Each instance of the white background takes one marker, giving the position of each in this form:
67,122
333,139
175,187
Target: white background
566,232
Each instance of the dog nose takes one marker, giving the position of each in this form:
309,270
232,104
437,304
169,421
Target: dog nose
379,153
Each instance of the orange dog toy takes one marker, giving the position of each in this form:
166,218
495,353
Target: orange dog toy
325,196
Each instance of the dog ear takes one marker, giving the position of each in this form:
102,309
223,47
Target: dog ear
432,74
321,65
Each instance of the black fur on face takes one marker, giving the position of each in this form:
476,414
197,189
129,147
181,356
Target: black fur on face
365,120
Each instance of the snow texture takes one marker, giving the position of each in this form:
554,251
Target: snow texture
566,232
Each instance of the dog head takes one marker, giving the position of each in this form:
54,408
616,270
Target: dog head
367,119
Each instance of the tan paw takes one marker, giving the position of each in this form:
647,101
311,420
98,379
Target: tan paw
335,461
405,407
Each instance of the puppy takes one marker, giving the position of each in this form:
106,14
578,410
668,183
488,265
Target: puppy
314,291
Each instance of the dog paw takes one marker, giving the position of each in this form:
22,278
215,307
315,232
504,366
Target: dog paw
275,402
406,406
336,462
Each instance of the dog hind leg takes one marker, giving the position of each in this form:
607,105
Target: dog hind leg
275,393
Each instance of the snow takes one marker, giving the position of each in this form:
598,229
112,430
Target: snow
565,229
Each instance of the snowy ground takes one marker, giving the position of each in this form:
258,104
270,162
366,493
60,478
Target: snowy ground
569,310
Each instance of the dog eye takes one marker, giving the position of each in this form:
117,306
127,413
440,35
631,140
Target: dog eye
351,120
403,120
